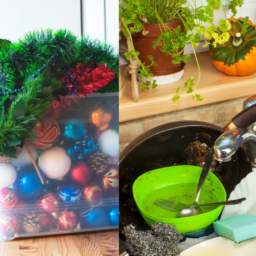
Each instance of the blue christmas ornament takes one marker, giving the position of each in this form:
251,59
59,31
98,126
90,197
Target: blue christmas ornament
28,184
53,185
70,151
90,143
76,148
80,156
113,216
75,129
93,217
87,151
95,147
82,148
69,193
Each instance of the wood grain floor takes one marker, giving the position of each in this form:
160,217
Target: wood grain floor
93,244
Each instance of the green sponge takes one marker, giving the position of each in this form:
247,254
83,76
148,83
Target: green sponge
237,228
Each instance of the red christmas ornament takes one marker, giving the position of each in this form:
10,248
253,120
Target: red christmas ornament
88,80
81,173
9,224
67,220
7,159
50,203
7,198
92,192
110,181
45,221
47,132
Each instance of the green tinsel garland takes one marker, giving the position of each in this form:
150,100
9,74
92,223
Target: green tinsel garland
19,61
4,44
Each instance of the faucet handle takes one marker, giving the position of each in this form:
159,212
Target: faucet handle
243,119
228,143
250,101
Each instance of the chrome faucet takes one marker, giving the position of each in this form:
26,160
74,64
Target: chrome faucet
230,141
248,103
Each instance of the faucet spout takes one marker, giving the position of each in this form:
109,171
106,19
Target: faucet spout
230,141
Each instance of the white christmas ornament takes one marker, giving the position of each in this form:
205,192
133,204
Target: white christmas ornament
8,175
54,162
23,158
109,143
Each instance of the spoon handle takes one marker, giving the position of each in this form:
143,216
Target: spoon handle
230,202
204,173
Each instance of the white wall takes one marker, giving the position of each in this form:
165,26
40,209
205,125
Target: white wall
17,17
112,22
100,20
96,18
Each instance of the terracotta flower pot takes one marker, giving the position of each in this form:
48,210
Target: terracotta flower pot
144,44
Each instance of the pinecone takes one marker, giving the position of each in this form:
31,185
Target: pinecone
98,162
30,223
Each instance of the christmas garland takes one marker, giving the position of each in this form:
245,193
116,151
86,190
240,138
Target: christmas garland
4,44
39,69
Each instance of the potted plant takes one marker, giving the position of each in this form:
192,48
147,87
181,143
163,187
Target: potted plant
158,31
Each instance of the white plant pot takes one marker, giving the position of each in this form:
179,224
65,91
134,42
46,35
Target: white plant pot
166,79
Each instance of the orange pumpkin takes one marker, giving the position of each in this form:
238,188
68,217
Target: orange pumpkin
236,57
101,119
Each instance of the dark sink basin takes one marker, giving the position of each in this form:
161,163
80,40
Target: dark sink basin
164,146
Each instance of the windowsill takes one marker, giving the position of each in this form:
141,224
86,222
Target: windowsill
214,86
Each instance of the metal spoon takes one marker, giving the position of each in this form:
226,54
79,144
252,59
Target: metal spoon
176,207
186,212
191,211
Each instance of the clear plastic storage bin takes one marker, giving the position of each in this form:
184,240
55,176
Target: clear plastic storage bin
76,189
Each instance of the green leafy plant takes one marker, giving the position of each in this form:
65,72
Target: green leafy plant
197,18
24,97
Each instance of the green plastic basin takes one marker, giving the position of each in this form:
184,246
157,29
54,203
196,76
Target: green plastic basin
178,183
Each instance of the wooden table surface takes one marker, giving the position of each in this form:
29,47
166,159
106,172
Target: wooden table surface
92,244
214,86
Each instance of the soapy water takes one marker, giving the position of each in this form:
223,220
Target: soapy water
181,193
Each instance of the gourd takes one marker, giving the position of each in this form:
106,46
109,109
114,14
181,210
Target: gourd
236,57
